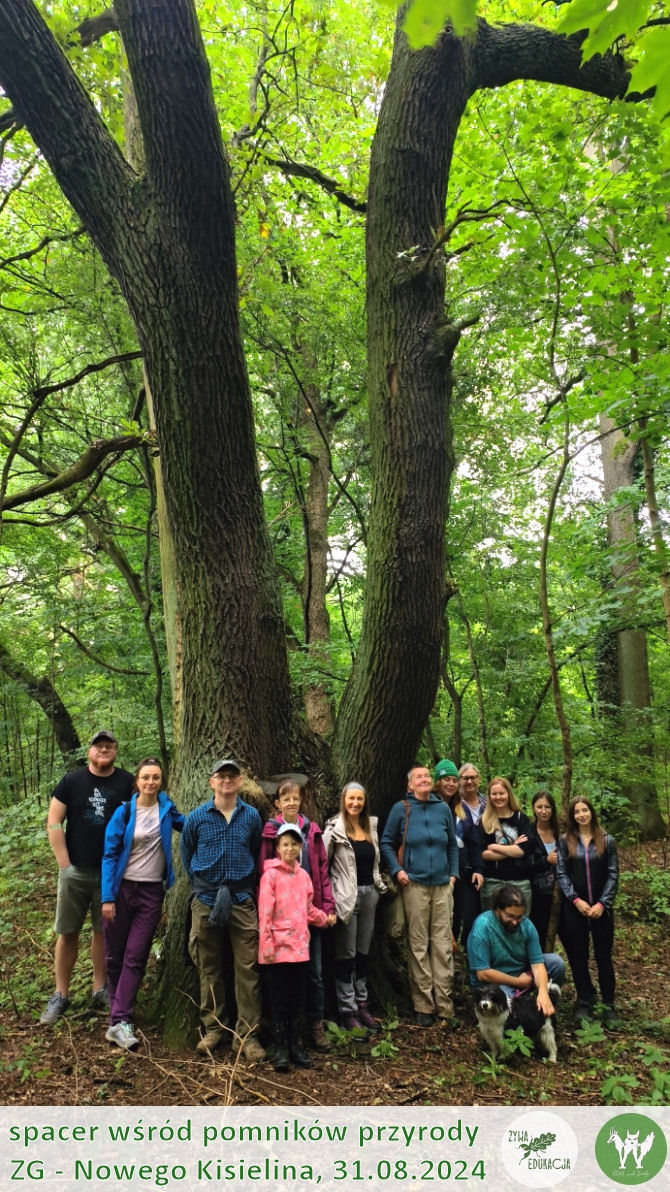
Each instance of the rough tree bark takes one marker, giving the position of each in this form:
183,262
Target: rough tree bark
410,348
168,237
634,691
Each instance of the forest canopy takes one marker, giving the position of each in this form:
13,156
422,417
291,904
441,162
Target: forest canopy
335,396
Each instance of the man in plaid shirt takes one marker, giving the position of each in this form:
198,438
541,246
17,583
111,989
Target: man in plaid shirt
219,847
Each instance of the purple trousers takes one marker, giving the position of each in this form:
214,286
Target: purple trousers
128,943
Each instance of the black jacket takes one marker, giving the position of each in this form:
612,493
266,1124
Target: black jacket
574,874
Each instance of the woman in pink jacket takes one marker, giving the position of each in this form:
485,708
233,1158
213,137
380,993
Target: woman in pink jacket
285,911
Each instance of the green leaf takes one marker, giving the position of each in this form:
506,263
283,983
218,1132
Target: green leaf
426,19
653,69
605,22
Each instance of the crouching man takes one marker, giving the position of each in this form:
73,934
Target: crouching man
504,949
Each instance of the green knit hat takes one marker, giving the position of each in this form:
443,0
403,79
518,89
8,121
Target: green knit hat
445,769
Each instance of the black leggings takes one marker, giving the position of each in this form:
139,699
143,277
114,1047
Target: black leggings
286,983
574,931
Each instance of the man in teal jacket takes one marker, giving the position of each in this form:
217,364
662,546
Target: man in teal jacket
422,827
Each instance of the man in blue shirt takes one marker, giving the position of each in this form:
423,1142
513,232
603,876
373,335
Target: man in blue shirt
422,827
504,949
219,847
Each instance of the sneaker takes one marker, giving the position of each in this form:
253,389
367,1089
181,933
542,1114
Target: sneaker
56,1006
365,1017
424,1019
209,1042
123,1035
250,1049
101,998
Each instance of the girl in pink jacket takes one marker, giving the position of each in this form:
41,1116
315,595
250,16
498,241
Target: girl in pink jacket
285,910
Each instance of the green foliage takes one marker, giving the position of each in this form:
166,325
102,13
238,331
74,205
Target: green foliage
616,1090
425,19
645,893
608,24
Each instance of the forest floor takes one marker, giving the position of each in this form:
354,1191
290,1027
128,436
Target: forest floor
71,1064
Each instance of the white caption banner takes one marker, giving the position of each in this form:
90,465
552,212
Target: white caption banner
183,1149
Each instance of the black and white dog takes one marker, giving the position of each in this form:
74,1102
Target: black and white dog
496,1013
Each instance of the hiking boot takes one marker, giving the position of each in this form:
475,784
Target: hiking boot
610,1019
209,1042
249,1048
317,1037
281,1062
583,1011
123,1035
365,1017
56,1006
424,1019
101,998
351,1022
296,1054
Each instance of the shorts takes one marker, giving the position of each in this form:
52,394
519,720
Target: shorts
78,889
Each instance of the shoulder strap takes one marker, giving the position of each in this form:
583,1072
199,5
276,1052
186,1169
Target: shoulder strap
401,850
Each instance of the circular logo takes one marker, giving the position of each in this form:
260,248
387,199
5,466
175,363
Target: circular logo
539,1149
631,1148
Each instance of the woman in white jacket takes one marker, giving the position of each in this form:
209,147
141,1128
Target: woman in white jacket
352,847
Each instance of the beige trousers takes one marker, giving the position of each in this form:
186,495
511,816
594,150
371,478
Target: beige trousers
206,949
428,915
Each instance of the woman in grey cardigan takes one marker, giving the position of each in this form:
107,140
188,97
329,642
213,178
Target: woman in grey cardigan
352,847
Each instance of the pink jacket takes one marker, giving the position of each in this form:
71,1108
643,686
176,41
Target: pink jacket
285,910
318,861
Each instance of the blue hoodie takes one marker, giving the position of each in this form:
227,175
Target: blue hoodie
119,839
431,849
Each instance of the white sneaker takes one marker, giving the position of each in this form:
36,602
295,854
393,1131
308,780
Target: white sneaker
122,1034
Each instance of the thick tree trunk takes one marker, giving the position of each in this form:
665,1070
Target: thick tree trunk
394,679
169,239
618,455
396,672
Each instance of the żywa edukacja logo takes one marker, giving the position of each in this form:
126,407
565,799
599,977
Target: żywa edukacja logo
631,1148
539,1149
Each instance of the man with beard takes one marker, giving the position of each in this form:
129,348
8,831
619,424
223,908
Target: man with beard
504,949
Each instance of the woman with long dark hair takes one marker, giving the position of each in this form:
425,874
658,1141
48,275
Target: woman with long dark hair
543,881
587,872
136,871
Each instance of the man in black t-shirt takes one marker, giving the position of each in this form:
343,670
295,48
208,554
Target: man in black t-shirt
81,806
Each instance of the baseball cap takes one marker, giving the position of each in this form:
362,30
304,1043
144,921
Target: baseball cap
220,765
103,734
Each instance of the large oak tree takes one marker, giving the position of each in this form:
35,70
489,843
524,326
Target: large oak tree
167,234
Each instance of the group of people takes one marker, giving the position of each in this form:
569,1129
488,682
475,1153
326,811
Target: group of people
468,868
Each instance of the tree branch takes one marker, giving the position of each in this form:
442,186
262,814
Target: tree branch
61,118
299,170
80,470
505,53
97,366
118,670
44,243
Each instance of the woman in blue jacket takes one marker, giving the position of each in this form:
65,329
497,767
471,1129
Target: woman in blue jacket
136,870
587,872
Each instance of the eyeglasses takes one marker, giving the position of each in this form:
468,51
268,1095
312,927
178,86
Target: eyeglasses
471,778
